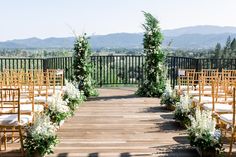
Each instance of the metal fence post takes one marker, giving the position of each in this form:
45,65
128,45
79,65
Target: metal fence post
45,64
100,62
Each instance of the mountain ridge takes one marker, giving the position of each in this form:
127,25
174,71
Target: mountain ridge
181,38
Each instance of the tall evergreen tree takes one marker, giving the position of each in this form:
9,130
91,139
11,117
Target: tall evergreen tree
227,49
217,51
233,45
154,83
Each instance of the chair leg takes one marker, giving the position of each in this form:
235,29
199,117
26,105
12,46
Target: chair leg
231,143
5,139
12,135
21,140
1,139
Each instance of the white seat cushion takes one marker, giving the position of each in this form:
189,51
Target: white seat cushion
28,108
205,87
204,99
41,99
192,92
219,107
228,100
226,117
25,100
12,119
183,87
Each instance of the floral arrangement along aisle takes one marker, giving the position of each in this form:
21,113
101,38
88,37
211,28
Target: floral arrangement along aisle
72,96
170,97
204,135
57,109
183,110
40,136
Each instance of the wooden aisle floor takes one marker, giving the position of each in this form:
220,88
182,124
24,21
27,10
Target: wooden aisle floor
119,124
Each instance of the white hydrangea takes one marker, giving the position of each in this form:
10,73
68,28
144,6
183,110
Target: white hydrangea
71,90
42,126
56,104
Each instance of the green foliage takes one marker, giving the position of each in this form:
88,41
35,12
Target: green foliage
154,84
73,103
41,144
40,136
170,99
83,66
205,142
202,132
57,117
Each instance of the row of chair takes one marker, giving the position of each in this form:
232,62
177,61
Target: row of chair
22,94
213,91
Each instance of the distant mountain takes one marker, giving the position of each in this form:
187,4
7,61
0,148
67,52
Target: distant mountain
197,41
184,38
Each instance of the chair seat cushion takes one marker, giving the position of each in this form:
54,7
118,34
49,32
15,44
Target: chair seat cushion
41,99
28,108
228,100
192,92
226,117
183,87
204,99
219,107
205,87
12,119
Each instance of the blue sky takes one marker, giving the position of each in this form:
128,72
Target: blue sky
57,18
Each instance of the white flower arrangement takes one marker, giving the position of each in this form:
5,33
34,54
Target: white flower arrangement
71,90
203,133
57,105
41,136
183,110
203,121
170,96
58,110
185,104
42,126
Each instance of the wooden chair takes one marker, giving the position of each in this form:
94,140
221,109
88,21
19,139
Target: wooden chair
185,78
216,105
227,124
11,118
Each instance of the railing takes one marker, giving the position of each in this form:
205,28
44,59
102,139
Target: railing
21,63
117,69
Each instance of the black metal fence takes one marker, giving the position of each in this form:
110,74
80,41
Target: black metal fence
117,69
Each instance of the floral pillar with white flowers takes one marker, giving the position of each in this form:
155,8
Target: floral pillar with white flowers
83,66
154,84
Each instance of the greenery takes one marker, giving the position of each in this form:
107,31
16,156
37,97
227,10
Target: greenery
58,109
83,66
154,84
170,96
41,136
183,110
72,96
203,133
